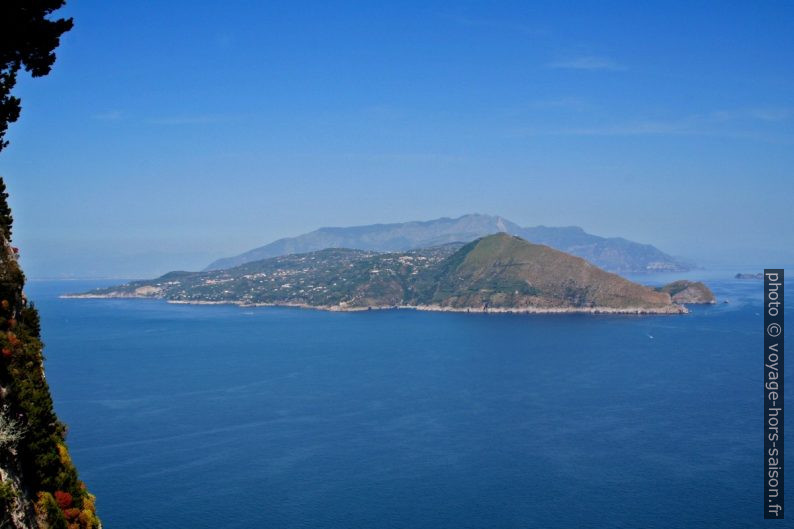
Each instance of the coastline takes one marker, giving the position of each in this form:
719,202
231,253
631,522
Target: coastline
672,309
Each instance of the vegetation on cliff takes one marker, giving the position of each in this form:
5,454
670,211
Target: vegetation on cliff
34,451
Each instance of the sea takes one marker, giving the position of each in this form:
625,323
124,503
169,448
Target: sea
194,417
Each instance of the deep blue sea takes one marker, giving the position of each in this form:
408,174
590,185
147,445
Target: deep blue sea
185,417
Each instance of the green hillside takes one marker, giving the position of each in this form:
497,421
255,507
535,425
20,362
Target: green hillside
508,272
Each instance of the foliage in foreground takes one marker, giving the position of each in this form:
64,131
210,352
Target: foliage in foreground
32,438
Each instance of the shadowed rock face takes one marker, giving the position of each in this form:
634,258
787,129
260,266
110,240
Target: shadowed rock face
614,253
684,292
497,272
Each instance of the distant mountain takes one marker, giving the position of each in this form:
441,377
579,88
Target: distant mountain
614,254
498,272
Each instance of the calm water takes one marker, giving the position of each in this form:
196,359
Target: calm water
212,417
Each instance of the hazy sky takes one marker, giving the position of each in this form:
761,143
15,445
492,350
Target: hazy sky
173,133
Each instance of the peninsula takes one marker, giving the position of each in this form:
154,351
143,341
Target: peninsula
496,273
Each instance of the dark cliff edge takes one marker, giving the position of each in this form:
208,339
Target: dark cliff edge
39,485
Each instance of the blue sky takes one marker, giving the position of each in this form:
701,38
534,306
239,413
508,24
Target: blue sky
173,133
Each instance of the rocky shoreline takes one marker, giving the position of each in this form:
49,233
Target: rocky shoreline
673,309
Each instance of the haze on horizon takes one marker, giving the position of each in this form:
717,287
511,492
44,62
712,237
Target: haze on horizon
173,134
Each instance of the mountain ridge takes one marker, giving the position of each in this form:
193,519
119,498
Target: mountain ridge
614,254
